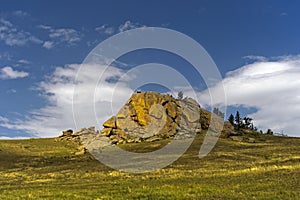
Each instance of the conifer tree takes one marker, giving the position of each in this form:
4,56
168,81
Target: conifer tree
238,120
231,119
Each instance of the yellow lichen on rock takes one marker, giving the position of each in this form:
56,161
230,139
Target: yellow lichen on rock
140,109
150,114
111,123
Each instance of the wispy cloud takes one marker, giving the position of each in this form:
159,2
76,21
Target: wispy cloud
255,58
45,27
67,35
11,91
58,36
5,56
12,36
23,61
105,29
4,119
9,73
20,13
48,44
109,29
5,23
129,25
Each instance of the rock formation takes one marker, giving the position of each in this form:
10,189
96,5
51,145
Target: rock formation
152,116
148,116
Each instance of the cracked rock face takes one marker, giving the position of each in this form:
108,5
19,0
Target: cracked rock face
150,116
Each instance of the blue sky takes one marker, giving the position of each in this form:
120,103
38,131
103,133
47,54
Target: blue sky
255,45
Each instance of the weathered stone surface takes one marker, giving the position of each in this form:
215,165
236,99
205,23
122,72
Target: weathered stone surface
153,115
87,138
148,116
171,109
66,133
106,131
156,111
191,112
191,102
111,123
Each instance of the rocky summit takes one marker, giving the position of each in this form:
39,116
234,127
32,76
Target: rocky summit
151,116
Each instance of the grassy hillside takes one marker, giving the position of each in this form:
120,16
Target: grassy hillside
46,169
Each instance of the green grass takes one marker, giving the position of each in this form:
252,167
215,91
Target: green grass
46,169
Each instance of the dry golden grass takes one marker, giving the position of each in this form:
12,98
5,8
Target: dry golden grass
45,169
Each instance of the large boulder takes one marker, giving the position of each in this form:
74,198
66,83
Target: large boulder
149,116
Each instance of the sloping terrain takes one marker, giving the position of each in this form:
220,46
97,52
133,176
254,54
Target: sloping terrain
51,169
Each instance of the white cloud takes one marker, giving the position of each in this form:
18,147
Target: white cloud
23,61
61,35
272,87
19,38
5,56
45,27
109,30
255,58
67,35
48,44
20,13
58,90
12,138
12,36
129,25
5,22
105,29
9,73
12,91
4,120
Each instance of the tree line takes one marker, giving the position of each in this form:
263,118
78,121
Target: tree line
239,122
244,123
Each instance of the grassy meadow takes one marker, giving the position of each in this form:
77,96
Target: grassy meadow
49,169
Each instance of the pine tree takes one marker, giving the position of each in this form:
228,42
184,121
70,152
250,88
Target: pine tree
231,119
238,120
